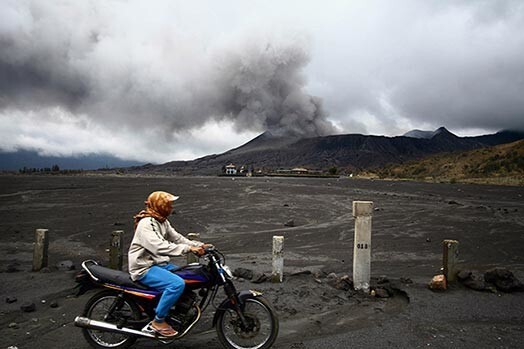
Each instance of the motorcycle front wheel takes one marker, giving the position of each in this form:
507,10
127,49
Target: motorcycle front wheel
106,306
262,329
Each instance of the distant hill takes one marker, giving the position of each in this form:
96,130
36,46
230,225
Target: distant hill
424,134
349,152
501,164
30,159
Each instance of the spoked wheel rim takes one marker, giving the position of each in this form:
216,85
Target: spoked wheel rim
260,326
99,311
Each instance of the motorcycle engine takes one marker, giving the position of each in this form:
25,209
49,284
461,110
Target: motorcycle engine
186,302
183,313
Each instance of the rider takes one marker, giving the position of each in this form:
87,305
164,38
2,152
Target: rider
154,242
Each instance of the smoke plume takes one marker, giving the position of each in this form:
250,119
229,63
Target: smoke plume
67,56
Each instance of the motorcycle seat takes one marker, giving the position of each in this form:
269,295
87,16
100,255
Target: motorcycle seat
114,276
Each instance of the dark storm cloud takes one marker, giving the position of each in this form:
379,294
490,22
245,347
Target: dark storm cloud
88,70
431,63
167,75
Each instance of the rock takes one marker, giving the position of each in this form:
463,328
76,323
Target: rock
318,281
331,276
286,205
243,273
10,299
428,239
406,280
12,268
303,272
503,279
45,270
289,223
259,278
381,293
28,307
65,265
53,304
438,283
464,274
494,274
118,224
475,281
344,283
453,202
14,325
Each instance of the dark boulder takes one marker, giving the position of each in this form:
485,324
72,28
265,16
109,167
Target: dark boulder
381,293
243,273
289,223
28,307
464,274
12,268
344,283
259,278
503,279
10,300
475,281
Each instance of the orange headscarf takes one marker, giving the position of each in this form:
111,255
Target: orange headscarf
159,205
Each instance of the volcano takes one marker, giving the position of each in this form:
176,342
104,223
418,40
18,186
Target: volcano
347,152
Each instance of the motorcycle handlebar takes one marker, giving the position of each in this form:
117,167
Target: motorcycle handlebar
210,250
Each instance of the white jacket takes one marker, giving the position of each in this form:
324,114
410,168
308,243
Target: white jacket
155,243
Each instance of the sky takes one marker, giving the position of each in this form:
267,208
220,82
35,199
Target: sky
164,80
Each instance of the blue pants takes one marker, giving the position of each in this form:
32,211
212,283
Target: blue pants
171,285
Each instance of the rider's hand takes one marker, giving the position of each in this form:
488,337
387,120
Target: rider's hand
199,251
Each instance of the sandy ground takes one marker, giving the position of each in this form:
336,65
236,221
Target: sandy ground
240,217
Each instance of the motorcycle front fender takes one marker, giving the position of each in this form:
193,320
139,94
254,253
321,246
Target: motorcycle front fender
242,296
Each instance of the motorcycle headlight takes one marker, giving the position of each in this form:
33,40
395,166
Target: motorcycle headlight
228,271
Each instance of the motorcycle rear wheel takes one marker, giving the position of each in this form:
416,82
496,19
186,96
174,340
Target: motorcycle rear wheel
97,309
263,326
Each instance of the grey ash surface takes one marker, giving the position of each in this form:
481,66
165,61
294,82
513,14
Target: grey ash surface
240,217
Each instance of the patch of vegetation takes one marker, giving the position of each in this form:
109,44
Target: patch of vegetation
502,164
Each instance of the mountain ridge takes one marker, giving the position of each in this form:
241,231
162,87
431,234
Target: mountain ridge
348,152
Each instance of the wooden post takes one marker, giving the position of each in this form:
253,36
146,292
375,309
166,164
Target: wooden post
40,249
192,258
450,258
278,259
116,254
362,211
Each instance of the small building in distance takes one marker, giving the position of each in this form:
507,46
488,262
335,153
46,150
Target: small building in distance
299,170
231,169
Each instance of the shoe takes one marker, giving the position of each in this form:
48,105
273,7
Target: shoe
166,332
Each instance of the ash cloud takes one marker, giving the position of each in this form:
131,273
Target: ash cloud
165,82
189,79
263,86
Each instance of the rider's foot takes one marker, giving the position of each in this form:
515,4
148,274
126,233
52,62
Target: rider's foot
163,329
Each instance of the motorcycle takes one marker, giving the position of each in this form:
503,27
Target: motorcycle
121,312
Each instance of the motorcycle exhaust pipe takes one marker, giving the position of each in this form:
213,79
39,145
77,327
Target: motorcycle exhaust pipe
84,322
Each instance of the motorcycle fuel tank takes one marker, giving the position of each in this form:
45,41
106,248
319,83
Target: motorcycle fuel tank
195,275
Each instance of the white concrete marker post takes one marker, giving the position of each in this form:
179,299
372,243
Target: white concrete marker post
40,249
362,211
450,259
278,259
116,250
